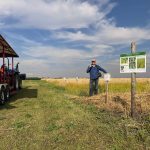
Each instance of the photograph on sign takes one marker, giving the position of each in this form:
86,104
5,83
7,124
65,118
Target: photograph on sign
124,60
133,63
140,63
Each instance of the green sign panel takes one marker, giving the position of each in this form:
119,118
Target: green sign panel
130,63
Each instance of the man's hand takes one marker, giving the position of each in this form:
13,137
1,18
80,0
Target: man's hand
90,66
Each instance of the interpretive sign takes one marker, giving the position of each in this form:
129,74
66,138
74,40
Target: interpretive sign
133,63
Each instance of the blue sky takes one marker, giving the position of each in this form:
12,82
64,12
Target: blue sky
58,38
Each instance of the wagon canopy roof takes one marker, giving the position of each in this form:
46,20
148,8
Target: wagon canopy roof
8,50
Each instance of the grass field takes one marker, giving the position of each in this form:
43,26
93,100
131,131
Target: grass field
59,115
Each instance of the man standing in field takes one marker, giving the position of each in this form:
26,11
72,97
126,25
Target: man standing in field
95,73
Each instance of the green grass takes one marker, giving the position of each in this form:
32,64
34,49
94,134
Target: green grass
53,121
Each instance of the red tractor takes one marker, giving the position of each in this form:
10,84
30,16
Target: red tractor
10,77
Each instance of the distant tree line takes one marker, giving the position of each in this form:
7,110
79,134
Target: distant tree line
33,78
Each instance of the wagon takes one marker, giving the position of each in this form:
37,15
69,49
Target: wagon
10,77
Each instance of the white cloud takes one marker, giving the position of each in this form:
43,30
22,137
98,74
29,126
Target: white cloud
70,36
50,66
44,68
122,35
34,67
58,14
65,54
50,14
52,61
109,35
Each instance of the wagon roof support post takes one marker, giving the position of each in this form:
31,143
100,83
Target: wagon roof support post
12,69
3,64
12,63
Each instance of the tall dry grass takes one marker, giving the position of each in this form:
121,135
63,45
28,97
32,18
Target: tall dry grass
116,85
119,93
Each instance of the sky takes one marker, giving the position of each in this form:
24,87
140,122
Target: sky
58,38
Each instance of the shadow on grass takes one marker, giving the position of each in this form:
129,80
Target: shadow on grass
7,106
23,93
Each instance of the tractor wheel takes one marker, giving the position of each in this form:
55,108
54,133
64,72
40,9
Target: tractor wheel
2,96
7,93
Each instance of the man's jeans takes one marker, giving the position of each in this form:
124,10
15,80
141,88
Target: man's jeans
93,86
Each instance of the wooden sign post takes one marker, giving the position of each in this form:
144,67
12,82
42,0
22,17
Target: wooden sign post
133,85
106,100
107,77
133,63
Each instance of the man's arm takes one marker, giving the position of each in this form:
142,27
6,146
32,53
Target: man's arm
101,69
88,69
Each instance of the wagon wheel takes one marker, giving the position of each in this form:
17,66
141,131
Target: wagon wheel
16,85
7,93
2,96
